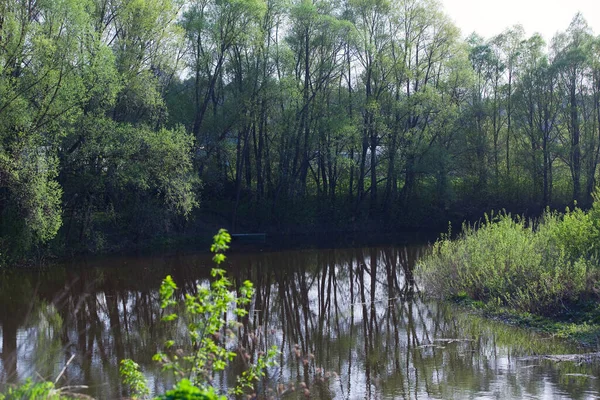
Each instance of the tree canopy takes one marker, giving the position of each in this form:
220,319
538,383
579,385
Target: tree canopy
118,116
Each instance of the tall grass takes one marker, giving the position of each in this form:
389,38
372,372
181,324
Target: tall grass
538,266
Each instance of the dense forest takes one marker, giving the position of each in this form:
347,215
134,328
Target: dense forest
124,120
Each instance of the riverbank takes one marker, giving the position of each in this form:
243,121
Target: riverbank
580,327
299,225
199,240
540,273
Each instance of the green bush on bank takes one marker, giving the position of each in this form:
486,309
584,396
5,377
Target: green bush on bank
540,266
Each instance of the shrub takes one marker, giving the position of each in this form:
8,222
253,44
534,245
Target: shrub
533,267
208,335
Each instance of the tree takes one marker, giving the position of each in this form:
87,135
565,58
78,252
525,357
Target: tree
571,61
41,91
537,113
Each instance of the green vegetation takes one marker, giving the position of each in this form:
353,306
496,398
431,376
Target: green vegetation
209,337
129,121
82,146
184,390
212,320
134,379
35,391
530,272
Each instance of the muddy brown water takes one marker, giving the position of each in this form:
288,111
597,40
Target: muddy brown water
348,322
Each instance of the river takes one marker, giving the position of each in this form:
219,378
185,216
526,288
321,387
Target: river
348,322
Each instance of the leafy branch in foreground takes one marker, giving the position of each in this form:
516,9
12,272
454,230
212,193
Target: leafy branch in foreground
210,343
44,390
134,379
31,390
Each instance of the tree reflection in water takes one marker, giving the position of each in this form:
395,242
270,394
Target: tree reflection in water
350,323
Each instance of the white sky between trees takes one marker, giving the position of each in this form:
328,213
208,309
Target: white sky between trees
490,17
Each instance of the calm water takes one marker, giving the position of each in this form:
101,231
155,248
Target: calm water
360,329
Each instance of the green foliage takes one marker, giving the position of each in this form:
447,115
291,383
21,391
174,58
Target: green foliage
112,112
32,212
81,103
256,371
184,390
33,391
208,336
133,379
574,232
220,244
139,178
508,262
208,331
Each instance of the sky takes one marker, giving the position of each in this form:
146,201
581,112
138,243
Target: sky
491,17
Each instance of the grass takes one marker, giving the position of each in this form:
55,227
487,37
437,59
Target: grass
542,273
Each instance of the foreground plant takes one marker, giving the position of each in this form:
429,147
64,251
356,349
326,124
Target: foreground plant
210,343
44,390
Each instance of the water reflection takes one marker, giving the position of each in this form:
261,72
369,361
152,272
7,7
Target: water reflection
350,324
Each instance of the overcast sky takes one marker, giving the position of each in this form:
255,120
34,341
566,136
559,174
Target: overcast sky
490,17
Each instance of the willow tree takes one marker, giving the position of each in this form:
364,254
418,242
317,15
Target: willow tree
429,41
212,30
316,41
371,18
594,157
41,90
571,61
537,107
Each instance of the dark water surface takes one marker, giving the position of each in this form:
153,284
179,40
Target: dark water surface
348,322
